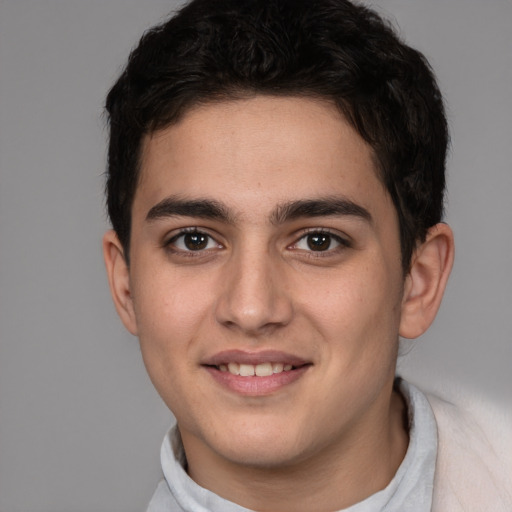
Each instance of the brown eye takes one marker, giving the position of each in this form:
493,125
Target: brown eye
319,241
195,241
192,241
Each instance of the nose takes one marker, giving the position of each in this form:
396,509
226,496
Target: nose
254,297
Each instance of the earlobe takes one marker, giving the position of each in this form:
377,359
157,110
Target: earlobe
119,280
426,282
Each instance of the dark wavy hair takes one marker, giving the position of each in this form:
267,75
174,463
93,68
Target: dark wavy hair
215,50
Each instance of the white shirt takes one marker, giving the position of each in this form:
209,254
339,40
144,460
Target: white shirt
409,491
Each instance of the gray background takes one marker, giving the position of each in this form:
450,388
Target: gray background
80,425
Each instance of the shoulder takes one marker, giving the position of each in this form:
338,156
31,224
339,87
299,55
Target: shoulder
474,461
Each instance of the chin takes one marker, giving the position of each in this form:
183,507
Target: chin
261,456
264,447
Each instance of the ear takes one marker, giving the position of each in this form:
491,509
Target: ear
425,284
119,280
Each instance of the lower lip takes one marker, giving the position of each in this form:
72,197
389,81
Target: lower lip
256,386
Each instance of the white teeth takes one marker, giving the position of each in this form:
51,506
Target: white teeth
260,370
263,370
277,367
247,370
234,368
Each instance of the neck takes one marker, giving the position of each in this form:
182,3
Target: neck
346,472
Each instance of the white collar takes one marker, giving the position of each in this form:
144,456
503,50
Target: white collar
409,491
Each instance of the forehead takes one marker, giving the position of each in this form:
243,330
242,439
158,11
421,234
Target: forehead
264,150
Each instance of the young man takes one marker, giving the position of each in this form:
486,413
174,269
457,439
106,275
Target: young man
276,178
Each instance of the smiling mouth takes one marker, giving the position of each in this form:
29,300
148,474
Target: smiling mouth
259,373
251,374
255,370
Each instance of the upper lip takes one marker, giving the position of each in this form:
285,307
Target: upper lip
254,358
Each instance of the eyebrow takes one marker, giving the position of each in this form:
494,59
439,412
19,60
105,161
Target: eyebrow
175,206
321,207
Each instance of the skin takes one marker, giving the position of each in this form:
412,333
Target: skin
336,433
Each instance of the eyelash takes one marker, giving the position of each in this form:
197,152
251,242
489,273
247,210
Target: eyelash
170,245
343,243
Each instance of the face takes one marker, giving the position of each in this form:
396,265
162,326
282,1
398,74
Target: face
265,280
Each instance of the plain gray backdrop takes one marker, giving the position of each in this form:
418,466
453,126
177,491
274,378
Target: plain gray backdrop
80,424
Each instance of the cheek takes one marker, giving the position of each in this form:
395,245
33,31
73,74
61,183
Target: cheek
169,313
357,308
167,304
